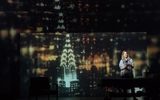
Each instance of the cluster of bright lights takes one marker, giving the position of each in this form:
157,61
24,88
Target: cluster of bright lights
68,63
48,57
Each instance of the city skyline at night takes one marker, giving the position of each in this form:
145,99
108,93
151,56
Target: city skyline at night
78,61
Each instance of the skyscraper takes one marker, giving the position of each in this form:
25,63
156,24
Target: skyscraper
68,63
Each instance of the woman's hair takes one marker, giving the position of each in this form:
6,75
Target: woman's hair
122,56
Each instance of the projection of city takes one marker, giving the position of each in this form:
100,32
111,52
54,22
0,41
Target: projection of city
78,61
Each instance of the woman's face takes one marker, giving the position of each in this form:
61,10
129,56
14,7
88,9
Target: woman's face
125,54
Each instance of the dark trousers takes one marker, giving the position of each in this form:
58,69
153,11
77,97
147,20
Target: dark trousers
129,75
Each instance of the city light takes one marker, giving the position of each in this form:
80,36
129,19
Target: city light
79,64
24,50
68,63
48,57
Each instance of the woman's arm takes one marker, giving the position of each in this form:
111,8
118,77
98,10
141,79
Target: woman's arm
121,65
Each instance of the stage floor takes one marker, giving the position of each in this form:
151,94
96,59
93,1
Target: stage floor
84,98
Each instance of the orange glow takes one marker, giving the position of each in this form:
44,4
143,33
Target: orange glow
95,60
151,50
3,34
41,71
138,63
42,49
48,57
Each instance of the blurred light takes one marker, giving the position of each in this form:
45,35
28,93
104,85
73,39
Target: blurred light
58,80
33,71
58,33
91,34
57,46
2,13
138,54
23,35
58,27
53,57
57,39
67,35
19,16
31,50
144,37
118,20
62,27
122,6
42,4
37,4
24,50
101,39
48,57
78,40
41,71
138,63
61,21
10,1
152,50
71,6
12,33
3,34
42,49
41,34
68,41
56,0
74,20
58,7
95,60
37,37
47,28
27,31
111,39
60,14
154,40
39,29
51,47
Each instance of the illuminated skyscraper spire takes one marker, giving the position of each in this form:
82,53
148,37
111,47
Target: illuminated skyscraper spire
60,20
68,62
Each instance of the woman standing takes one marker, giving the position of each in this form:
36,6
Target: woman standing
126,67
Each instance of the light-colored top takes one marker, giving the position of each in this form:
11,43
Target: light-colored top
124,63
